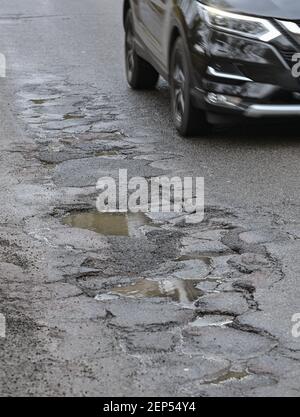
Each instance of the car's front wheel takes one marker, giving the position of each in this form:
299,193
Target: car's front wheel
188,119
140,74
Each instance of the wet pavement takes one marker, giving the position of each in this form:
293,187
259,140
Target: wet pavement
100,304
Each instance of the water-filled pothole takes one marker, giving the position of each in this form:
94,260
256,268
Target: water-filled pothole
40,101
179,290
109,224
206,259
229,376
106,154
70,116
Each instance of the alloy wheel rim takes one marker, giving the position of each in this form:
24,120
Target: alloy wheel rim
178,91
129,53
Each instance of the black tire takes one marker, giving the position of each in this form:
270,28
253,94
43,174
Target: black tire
140,74
189,120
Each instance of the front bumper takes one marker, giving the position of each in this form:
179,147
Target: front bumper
238,106
265,110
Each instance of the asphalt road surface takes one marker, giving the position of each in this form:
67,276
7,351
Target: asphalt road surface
169,306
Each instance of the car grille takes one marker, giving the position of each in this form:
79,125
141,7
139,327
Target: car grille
288,57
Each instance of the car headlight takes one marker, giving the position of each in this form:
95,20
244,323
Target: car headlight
248,26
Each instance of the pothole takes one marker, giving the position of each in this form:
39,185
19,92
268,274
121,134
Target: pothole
206,259
109,224
40,101
69,116
182,291
229,376
106,154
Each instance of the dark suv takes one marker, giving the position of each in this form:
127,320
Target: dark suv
224,59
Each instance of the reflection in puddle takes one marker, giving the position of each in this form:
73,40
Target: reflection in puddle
110,224
183,291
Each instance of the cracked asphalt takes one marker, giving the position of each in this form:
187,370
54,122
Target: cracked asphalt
86,314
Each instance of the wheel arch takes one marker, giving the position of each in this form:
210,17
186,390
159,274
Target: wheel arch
178,32
126,8
179,29
175,34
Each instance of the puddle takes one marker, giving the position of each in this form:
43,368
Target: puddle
183,291
109,224
106,297
212,321
106,153
70,116
210,284
41,100
206,259
230,376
